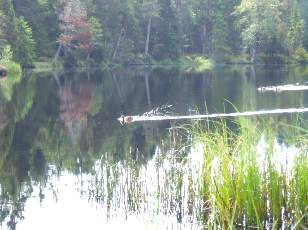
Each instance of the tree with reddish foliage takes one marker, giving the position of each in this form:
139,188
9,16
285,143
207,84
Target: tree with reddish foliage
77,32
83,35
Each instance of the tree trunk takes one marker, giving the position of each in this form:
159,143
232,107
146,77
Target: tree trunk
146,49
120,38
204,39
181,27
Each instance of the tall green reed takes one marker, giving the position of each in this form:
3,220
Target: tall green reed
243,184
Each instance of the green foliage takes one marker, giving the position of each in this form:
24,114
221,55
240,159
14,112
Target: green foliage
259,21
3,41
6,55
195,63
303,8
14,68
219,33
6,59
26,94
8,85
24,44
167,45
96,31
8,22
300,55
296,32
270,31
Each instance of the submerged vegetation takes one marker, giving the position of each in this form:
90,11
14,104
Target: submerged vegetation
252,179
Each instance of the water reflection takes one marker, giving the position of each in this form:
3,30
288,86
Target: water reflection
61,147
75,101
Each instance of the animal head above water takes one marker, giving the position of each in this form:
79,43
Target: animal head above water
125,119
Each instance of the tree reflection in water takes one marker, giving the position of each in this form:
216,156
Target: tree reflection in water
75,102
53,131
69,130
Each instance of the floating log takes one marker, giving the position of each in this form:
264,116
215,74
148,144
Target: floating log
131,119
3,71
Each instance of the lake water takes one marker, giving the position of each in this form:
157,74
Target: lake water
67,163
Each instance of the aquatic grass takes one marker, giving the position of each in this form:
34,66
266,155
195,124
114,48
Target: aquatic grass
243,185
239,185
299,186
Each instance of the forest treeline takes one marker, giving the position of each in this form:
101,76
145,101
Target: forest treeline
139,31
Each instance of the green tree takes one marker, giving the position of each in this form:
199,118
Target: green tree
6,55
162,29
150,10
9,26
42,17
24,44
259,21
205,12
303,8
225,35
296,32
168,36
96,31
17,33
3,39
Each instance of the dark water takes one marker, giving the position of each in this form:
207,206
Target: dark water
66,162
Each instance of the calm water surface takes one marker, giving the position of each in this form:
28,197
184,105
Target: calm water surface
66,162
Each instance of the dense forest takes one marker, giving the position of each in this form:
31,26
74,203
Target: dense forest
143,31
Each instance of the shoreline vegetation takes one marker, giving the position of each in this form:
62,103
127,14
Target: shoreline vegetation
193,34
13,68
188,63
6,61
252,179
194,63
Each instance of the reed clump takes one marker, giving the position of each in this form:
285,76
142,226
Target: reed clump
250,178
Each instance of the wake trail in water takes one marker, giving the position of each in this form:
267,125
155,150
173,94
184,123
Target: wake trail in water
131,119
281,88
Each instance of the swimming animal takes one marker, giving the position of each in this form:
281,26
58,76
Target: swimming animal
125,119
